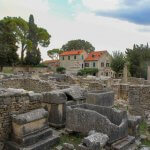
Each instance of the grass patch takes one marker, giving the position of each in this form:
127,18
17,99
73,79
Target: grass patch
74,139
146,143
8,70
143,128
116,106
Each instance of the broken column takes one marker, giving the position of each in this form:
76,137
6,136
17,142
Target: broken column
102,98
55,103
31,131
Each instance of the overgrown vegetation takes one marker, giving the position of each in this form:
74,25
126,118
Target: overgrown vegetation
117,62
88,71
61,70
144,131
143,128
74,139
138,59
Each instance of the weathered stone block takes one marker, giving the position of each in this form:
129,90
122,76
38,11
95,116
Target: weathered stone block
95,140
24,124
86,117
75,93
102,98
123,144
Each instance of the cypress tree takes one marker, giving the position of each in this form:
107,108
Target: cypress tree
33,55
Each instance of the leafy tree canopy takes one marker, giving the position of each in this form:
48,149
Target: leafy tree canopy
117,62
8,47
54,53
27,34
78,45
138,59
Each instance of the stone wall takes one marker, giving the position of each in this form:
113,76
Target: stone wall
139,99
86,117
26,69
134,80
15,103
90,84
28,84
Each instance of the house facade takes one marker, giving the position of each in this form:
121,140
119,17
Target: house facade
100,60
75,60
52,64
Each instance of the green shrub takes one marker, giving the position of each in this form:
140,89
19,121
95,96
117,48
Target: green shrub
61,70
87,71
41,65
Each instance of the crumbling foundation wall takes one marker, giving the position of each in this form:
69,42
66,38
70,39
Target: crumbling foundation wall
139,99
28,84
15,103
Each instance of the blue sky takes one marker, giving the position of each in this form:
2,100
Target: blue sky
108,24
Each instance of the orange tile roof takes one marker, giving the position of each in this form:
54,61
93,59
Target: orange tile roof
94,56
72,52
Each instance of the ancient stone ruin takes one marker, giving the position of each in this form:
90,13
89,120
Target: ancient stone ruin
31,131
83,118
39,113
102,98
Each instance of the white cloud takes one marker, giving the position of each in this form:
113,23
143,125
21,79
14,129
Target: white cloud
101,4
71,1
110,34
103,33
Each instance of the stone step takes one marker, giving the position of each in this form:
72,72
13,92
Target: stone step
124,143
35,137
41,145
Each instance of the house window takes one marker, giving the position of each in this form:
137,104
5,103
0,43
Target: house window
82,57
107,64
106,73
86,64
75,57
102,64
68,57
93,64
82,66
63,57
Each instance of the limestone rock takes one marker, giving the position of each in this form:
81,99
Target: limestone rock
101,97
96,139
75,92
59,148
30,116
67,146
55,97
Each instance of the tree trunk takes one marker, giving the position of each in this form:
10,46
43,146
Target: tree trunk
22,54
1,68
